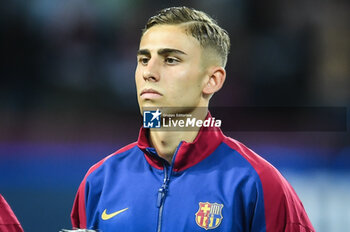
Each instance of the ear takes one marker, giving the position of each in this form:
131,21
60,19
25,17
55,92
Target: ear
217,76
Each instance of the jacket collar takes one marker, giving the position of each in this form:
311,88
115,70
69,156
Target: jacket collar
188,154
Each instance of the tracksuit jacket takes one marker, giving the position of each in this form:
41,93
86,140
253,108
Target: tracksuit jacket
213,184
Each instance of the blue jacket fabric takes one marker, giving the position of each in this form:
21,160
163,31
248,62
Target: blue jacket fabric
214,183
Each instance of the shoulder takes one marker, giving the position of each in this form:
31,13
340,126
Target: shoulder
256,161
122,151
95,177
282,206
273,183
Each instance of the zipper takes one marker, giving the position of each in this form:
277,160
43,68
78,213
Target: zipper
164,188
162,191
161,197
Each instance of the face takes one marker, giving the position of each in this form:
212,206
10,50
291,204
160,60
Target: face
169,70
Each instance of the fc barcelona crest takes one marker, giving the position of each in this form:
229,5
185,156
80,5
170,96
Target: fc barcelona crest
209,215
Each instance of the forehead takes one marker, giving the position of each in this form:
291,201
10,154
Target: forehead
169,36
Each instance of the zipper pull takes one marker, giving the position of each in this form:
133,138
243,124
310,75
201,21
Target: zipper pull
161,193
163,190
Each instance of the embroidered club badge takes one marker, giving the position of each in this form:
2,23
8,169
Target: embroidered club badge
209,215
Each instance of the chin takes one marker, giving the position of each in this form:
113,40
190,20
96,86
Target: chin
149,105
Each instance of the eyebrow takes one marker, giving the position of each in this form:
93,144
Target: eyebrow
162,51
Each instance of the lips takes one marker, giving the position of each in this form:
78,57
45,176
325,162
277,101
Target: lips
149,91
150,94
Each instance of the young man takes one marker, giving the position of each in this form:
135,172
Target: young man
193,180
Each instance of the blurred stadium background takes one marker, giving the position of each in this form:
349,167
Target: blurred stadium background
67,95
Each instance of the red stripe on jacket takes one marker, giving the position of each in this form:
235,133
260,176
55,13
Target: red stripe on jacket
78,214
283,208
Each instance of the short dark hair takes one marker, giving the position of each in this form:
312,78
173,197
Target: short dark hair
198,24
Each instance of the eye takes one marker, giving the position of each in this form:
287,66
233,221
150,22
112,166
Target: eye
171,60
143,60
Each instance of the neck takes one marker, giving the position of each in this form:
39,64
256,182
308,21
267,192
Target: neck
166,141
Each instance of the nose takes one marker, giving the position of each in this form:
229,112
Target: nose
151,72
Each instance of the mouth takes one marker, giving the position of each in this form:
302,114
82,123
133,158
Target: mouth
150,94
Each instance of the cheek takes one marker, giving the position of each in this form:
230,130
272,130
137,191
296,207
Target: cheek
183,78
138,76
190,79
137,71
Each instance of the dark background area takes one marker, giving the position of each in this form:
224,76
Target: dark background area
67,94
